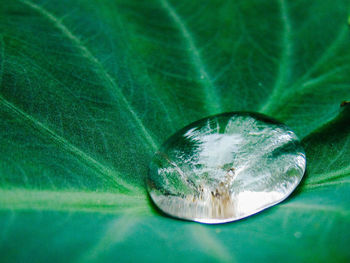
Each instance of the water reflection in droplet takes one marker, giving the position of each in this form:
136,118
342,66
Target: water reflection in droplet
226,167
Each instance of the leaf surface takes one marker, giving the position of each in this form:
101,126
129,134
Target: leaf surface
90,89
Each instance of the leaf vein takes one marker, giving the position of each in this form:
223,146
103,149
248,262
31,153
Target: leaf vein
2,57
211,95
302,84
285,61
105,171
65,200
87,54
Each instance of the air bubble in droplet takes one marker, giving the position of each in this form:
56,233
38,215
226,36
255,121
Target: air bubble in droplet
226,167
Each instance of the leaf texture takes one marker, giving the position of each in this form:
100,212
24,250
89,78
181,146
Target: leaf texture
90,89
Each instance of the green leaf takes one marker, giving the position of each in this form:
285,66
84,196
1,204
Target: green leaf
90,89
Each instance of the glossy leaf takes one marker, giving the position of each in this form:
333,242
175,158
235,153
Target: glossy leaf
90,89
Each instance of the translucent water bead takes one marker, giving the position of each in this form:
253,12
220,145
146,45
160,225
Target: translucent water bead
226,167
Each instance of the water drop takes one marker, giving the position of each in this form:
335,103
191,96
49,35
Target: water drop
226,167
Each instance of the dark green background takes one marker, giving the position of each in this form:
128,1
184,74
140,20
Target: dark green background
90,89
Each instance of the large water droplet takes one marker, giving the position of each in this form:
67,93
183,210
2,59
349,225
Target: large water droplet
226,167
